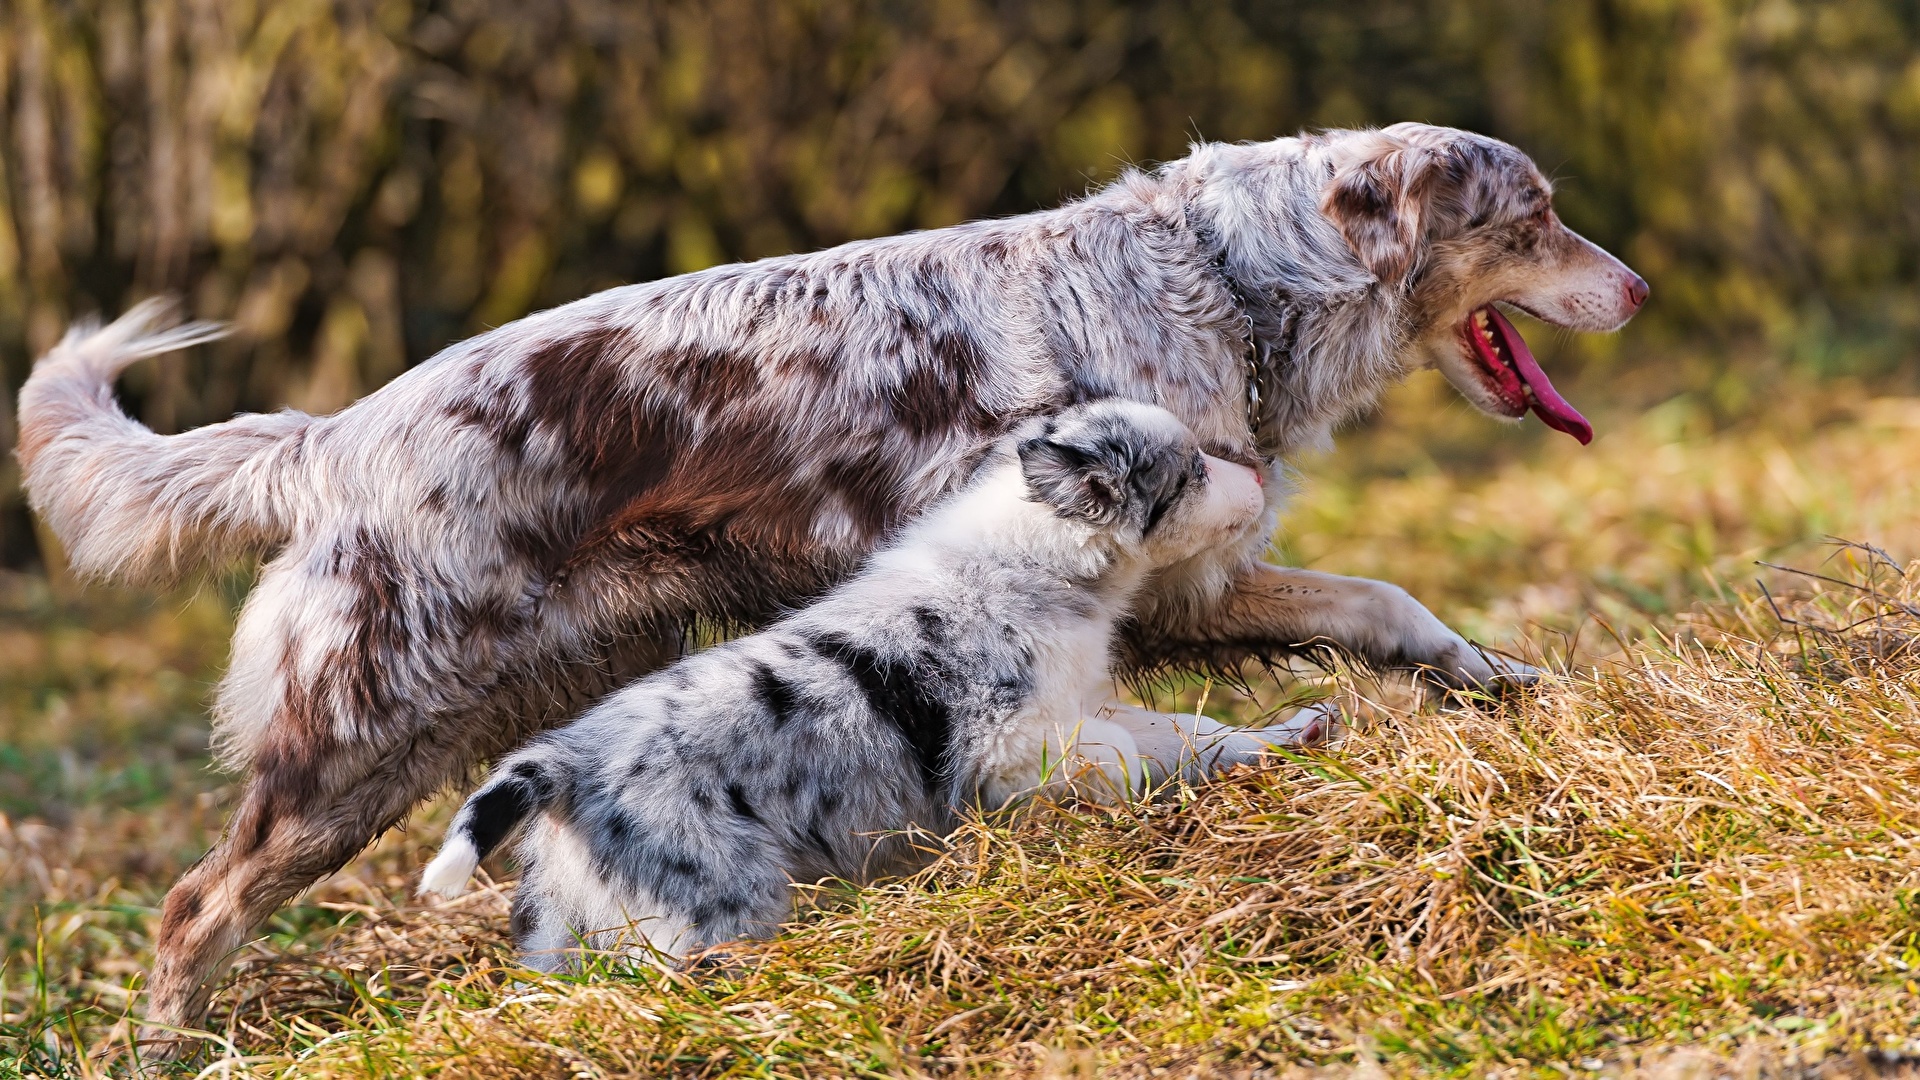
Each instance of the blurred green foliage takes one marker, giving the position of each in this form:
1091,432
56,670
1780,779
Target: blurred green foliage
357,182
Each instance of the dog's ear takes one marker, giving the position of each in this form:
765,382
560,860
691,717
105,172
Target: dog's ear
1378,200
1073,482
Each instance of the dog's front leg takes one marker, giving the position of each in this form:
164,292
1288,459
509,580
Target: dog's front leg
1271,611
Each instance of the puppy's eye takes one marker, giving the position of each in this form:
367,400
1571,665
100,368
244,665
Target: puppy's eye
1197,472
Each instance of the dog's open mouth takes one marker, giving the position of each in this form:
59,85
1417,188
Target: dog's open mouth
1514,375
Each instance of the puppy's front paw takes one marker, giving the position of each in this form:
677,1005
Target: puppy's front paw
1312,726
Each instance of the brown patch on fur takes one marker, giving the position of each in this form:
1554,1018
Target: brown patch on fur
544,542
493,410
941,392
287,770
819,365
867,484
727,535
737,488
181,906
381,610
353,690
709,379
738,479
580,391
486,620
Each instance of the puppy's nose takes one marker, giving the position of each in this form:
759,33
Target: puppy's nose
1636,291
1214,466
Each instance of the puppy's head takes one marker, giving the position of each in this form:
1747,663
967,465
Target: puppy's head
1136,474
1458,223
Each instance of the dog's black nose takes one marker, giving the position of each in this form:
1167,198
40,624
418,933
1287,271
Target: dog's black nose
1636,291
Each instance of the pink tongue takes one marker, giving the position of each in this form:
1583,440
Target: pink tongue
1552,409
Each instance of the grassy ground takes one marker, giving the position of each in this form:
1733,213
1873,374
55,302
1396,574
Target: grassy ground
1694,853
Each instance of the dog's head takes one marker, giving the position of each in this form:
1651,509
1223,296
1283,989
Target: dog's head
1135,474
1457,223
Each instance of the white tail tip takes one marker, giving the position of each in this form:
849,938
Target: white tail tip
448,873
149,328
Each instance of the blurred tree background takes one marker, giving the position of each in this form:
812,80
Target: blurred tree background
356,183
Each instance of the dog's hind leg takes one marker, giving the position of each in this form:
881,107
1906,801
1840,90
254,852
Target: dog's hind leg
313,801
305,812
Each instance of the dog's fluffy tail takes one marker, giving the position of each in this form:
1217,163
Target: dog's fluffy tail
513,794
131,504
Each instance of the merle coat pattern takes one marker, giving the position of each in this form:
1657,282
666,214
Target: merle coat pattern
967,663
530,518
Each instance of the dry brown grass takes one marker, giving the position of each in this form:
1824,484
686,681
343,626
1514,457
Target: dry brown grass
1708,844
1692,854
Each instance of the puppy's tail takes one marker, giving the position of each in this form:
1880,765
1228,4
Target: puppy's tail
490,815
131,504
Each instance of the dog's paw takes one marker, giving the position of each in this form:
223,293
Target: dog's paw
1476,673
1511,676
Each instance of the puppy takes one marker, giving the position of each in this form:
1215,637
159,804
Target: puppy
967,664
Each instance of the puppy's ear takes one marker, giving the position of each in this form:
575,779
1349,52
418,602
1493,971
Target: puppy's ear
1074,483
1378,201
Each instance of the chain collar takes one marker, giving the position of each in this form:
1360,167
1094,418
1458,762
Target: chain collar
1252,349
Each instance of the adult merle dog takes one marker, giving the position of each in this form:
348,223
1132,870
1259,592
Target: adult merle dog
533,516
